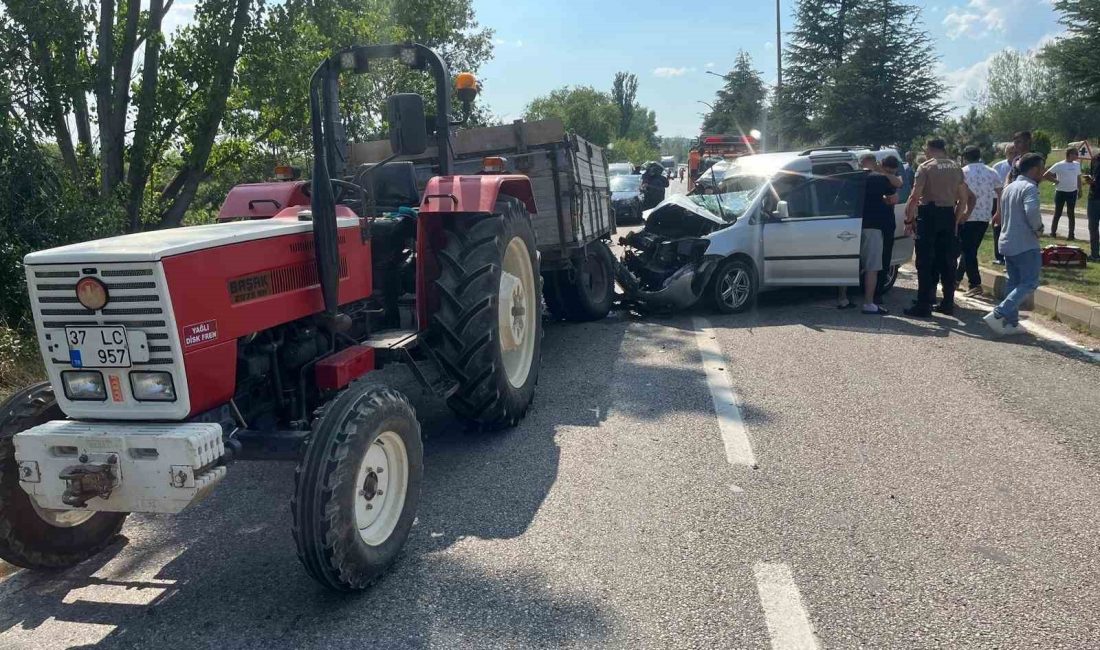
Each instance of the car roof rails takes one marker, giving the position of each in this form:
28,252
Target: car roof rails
839,147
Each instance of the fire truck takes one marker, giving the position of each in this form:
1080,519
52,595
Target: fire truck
170,354
725,147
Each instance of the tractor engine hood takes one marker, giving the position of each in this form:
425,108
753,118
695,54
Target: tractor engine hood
155,245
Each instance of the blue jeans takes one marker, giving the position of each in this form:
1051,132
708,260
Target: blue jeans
1023,280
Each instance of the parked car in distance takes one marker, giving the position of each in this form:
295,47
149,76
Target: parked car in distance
626,198
778,220
615,169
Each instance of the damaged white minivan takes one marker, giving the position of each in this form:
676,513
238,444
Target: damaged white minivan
779,220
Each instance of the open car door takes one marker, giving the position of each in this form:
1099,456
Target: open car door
812,236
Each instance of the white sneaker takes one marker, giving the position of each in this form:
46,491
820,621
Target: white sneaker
995,323
1011,329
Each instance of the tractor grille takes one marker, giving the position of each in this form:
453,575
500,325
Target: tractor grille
137,300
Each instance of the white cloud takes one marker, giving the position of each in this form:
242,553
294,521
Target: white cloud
711,64
768,45
977,19
498,41
669,72
519,42
966,85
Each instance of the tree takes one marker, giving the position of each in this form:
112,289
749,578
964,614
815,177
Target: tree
63,52
739,105
676,146
817,46
859,71
624,92
588,112
1074,56
632,151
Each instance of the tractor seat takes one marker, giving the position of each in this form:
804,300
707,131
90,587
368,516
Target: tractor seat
392,187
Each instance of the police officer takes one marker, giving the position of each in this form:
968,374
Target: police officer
939,202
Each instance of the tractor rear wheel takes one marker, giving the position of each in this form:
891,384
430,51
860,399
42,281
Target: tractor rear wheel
357,486
488,329
33,537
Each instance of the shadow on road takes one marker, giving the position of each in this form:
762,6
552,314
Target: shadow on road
225,573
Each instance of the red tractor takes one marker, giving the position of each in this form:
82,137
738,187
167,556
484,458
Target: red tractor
171,353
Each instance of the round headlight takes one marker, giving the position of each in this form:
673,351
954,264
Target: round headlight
91,293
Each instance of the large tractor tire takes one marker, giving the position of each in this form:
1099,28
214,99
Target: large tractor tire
488,329
357,486
33,537
587,293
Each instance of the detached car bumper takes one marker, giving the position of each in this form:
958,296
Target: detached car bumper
119,467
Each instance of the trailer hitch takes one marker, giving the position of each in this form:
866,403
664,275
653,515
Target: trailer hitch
89,480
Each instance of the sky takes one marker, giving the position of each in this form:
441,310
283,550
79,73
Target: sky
546,44
541,45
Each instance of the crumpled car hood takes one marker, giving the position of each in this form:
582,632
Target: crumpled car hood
679,216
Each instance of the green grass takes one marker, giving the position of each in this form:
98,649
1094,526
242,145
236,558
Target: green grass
1084,283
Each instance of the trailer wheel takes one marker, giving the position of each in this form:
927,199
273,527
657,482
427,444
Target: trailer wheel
733,288
488,329
357,486
33,537
590,293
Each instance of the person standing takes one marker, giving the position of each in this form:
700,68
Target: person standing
1066,176
985,185
939,202
1002,168
1093,208
908,170
1021,225
880,195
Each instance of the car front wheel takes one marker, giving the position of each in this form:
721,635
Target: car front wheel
733,289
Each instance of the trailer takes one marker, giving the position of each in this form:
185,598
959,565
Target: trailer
573,221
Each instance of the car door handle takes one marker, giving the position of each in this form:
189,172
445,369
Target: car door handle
846,236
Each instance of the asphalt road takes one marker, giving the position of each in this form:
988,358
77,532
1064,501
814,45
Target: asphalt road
908,485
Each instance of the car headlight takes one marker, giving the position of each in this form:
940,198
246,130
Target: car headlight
152,386
84,385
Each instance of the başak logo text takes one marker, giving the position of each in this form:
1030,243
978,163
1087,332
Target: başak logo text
199,333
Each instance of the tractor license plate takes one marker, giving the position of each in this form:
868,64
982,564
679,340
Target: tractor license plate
98,347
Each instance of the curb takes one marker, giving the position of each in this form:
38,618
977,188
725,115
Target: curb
1067,308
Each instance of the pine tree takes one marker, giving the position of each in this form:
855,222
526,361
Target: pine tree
885,91
1075,55
740,103
817,46
860,72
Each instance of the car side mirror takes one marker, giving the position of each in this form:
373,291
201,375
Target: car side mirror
408,130
782,211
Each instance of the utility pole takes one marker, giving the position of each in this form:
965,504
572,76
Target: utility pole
778,79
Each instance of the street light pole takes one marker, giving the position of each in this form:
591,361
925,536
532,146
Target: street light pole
778,79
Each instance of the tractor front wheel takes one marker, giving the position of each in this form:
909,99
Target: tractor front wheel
357,486
33,537
488,329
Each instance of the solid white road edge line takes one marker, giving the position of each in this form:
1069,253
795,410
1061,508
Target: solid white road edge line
730,425
788,623
1037,330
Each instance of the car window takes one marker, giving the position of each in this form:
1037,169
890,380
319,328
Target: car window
840,195
827,196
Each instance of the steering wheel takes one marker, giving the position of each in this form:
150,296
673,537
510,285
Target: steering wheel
349,194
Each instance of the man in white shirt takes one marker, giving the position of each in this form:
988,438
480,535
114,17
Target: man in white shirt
1002,168
1066,175
986,186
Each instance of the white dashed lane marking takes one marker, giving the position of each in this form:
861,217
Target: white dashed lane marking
730,425
788,623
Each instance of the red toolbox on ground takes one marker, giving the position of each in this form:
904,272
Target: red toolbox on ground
1061,255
